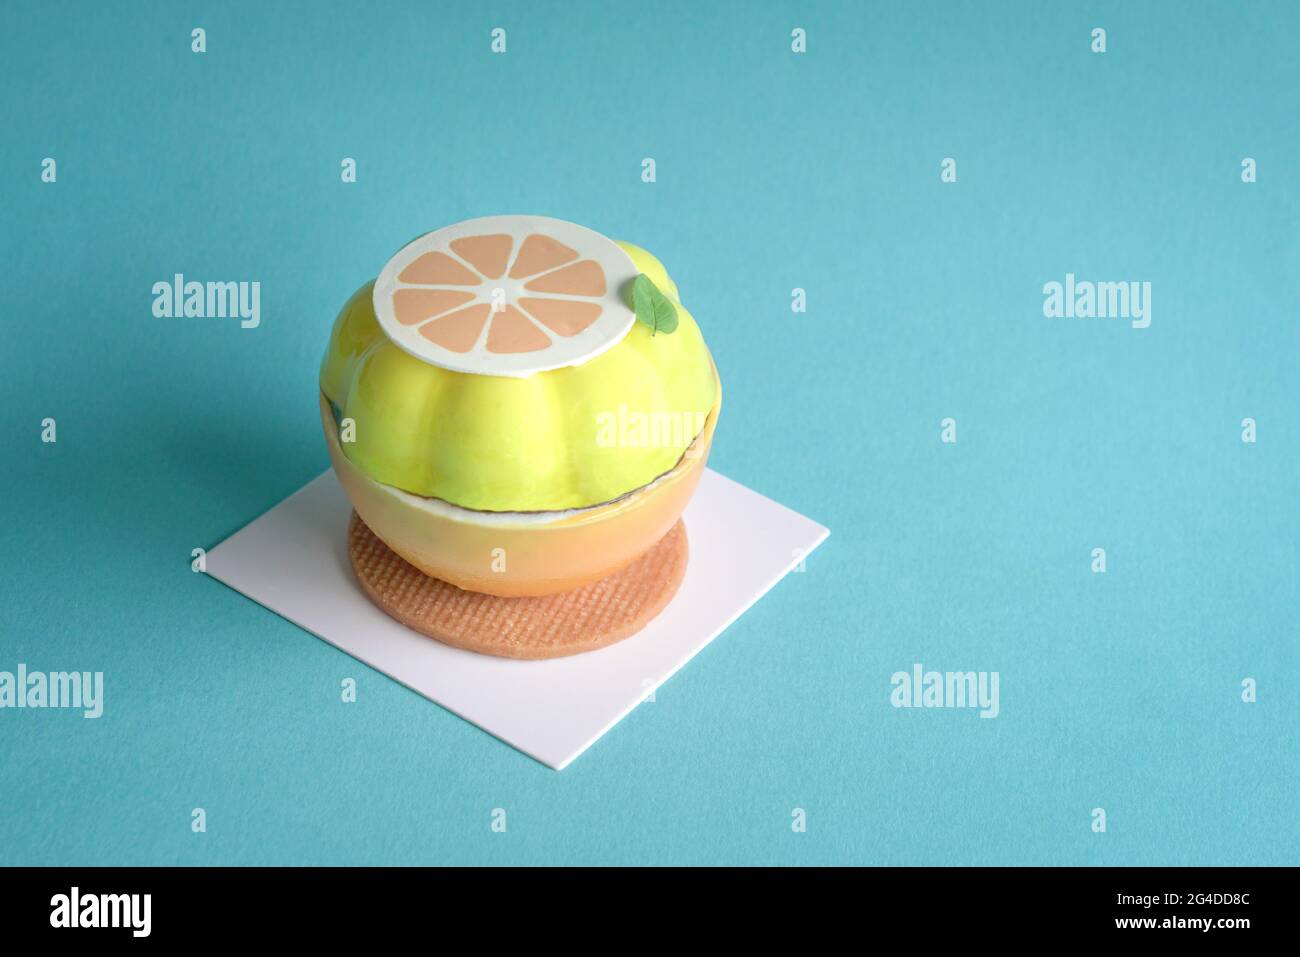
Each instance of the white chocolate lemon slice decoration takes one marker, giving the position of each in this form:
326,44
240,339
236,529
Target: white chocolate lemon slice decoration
506,295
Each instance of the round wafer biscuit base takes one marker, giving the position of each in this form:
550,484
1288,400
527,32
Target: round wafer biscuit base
550,626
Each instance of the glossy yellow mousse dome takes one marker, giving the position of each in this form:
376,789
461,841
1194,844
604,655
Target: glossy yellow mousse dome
567,438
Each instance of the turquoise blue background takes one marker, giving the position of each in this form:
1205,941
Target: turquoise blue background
775,171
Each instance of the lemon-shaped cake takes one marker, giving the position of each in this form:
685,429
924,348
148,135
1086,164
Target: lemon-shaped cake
519,405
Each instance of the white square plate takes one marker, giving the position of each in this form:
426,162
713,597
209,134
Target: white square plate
294,561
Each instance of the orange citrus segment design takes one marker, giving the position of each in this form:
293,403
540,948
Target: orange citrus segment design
512,332
506,296
438,269
460,331
580,279
416,305
540,253
564,317
488,254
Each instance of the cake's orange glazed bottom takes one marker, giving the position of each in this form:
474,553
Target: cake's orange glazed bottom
490,553
546,626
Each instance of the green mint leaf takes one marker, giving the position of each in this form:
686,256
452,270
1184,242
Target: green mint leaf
652,307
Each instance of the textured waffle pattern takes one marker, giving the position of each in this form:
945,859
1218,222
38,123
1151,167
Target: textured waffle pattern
584,619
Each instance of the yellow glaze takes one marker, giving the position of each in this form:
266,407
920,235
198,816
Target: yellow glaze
564,439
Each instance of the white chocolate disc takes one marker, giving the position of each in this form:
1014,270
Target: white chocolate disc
506,295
